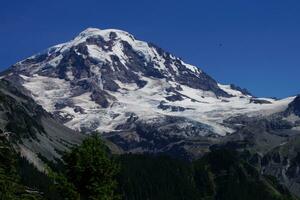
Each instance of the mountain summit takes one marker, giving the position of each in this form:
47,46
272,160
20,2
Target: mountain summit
132,91
143,99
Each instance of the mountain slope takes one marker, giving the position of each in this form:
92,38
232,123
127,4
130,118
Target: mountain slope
30,129
220,174
142,99
11,186
102,78
138,95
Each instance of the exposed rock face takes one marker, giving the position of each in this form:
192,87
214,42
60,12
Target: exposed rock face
242,90
30,129
271,143
104,57
144,99
259,101
135,93
102,78
294,107
92,81
81,80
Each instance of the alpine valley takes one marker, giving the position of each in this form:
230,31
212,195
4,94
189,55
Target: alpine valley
142,99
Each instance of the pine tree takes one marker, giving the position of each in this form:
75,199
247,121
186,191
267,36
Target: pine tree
90,168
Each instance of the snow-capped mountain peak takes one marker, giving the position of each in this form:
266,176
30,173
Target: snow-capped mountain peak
107,80
111,46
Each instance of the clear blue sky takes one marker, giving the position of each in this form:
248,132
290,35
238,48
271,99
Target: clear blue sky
252,43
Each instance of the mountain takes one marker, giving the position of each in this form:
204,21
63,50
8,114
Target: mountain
270,143
220,174
133,92
11,187
294,107
141,99
30,130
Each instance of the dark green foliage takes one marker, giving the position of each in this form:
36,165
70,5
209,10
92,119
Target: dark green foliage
11,187
90,173
54,185
221,175
235,179
62,188
50,185
27,170
156,177
91,170
204,180
57,166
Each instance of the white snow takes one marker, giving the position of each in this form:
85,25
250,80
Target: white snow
230,91
70,75
47,91
192,68
55,61
98,54
201,106
103,55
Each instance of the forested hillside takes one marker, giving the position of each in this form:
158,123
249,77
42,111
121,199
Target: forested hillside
89,171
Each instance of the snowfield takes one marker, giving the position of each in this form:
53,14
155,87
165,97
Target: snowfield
201,106
167,91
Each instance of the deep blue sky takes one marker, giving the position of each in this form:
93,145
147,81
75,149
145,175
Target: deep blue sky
252,43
